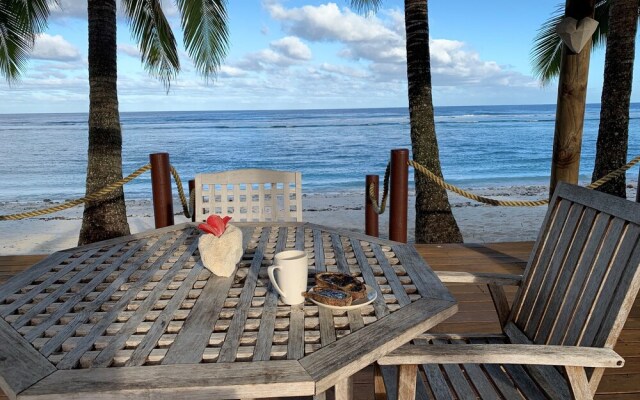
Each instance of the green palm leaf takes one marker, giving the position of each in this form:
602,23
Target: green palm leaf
204,23
34,13
547,45
152,31
365,6
20,22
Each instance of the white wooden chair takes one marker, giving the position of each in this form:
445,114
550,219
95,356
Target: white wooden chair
251,195
573,300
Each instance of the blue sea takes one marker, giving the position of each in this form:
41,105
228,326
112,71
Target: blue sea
43,156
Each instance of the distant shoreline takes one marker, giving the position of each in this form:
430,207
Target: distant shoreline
86,112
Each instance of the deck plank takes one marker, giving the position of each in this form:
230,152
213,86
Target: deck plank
476,310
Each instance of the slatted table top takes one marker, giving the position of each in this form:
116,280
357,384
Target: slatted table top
141,316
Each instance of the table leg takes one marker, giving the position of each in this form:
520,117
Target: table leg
407,382
320,396
379,389
344,389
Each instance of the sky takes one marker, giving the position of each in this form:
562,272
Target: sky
304,54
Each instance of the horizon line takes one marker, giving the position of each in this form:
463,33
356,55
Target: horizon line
295,109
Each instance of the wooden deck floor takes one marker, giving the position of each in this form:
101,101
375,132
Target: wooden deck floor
476,309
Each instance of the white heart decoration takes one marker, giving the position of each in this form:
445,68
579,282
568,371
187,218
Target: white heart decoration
575,34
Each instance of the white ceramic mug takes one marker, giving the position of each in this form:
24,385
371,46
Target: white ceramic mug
291,279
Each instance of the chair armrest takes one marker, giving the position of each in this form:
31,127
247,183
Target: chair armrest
530,354
479,277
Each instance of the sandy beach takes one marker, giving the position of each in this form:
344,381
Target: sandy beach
478,222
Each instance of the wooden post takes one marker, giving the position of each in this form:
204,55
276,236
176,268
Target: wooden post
399,195
572,95
638,188
192,188
161,188
370,215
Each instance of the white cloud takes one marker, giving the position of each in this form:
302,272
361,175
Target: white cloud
380,43
328,22
228,71
69,8
282,53
344,70
292,47
364,38
129,50
54,48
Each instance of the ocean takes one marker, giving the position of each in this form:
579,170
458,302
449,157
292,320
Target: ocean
43,156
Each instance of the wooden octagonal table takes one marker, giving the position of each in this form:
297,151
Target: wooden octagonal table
140,316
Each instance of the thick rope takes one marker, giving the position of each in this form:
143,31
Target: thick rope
192,202
183,198
440,182
516,203
614,174
379,209
101,194
97,195
508,203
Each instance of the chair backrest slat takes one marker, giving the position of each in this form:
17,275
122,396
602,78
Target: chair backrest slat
592,287
242,195
592,250
539,260
545,319
582,272
613,290
559,258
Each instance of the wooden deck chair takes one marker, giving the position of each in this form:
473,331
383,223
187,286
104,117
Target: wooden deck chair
250,195
573,300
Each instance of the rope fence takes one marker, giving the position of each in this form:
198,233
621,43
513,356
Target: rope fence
486,200
188,205
101,195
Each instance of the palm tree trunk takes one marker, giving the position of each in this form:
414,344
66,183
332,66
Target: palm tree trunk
107,218
613,133
434,221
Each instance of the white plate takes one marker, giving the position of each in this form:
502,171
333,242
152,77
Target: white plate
368,299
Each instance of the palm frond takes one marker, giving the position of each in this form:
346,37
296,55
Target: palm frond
206,36
34,13
366,6
547,48
547,45
601,15
20,22
151,29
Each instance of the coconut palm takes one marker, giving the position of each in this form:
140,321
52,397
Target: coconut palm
20,22
204,24
617,27
613,132
434,220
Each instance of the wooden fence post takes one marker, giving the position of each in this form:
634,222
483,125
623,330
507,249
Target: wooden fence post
572,94
161,189
370,215
399,195
638,188
192,188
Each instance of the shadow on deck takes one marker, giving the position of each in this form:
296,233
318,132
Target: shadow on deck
476,309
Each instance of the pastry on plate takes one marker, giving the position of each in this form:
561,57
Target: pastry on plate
332,297
344,282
